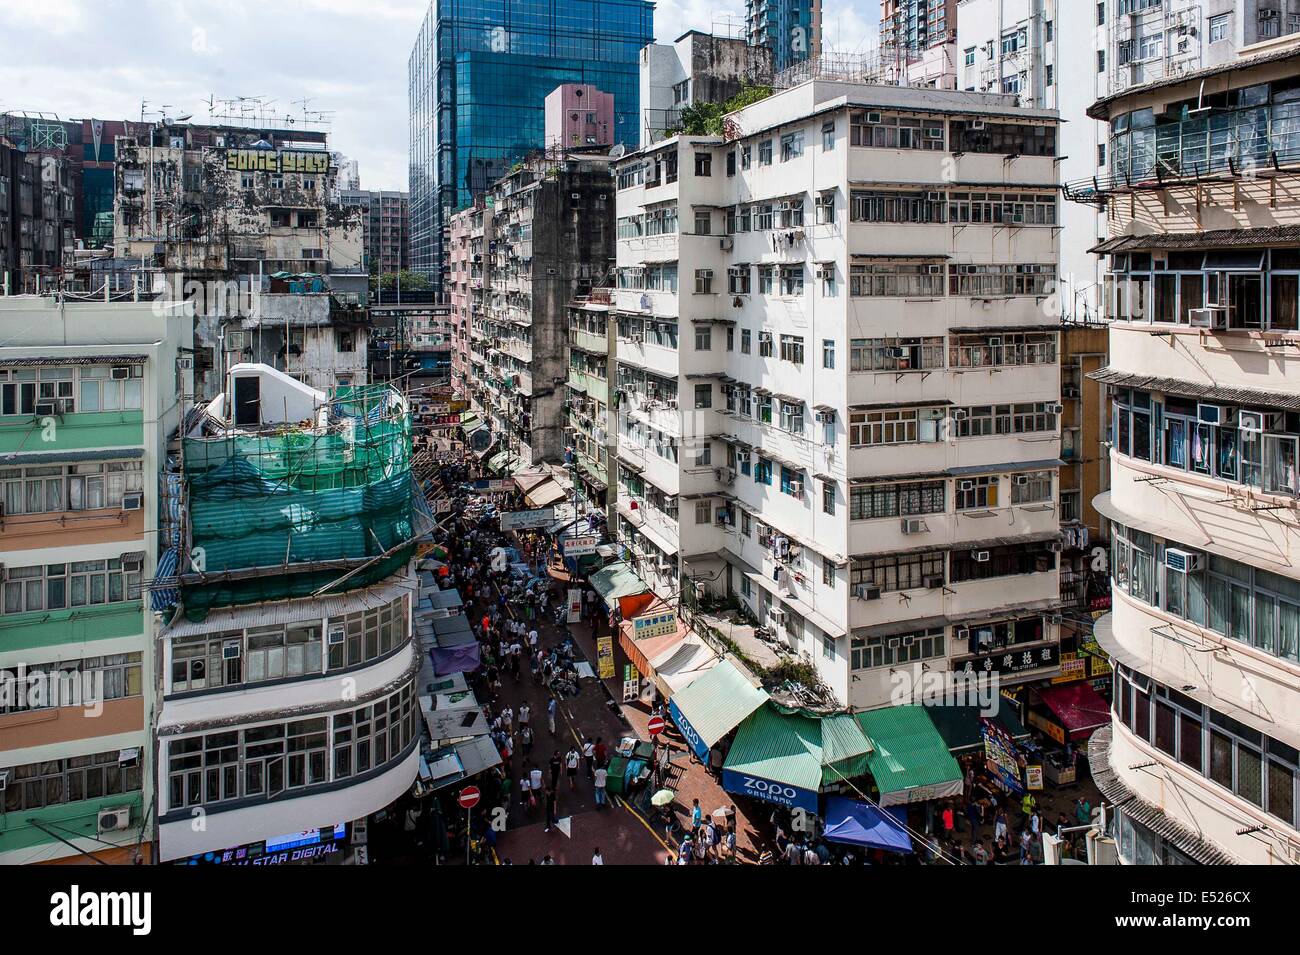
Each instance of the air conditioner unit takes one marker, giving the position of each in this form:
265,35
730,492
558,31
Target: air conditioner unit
1055,619
874,118
1069,391
132,565
934,269
1055,547
959,414
132,501
1212,316
236,341
113,820
826,417
893,642
897,352
965,485
777,615
977,124
47,408
796,488
866,592
121,372
1058,408
742,457
725,243
914,525
980,556
1211,414
338,633
934,197
932,581
1250,421
231,650
961,635
1187,561
185,362
1021,479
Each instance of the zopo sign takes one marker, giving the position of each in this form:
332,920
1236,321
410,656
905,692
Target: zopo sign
770,790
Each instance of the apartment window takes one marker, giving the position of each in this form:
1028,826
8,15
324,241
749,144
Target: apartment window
763,472
791,483
828,136
746,528
1007,561
1049,30
247,180
731,338
825,207
745,157
703,281
828,353
970,56
977,493
887,131
895,354
874,501
1000,281
897,571
764,344
1101,13
746,339
1049,74
766,279
74,487
704,164
765,153
704,396
792,348
896,207
738,279
703,337
869,652
48,684
791,146
901,426
703,222
75,584
791,280
792,416
731,163
1101,61
897,280
1267,21
764,409
1219,26
58,781
703,512
828,501
1011,348
1101,155
704,455
1031,487
987,420
828,572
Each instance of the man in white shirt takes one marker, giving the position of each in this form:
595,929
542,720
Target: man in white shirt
601,776
597,858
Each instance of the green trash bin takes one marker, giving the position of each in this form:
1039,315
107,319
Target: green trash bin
617,769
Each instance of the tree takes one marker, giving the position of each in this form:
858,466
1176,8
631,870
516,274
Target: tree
410,281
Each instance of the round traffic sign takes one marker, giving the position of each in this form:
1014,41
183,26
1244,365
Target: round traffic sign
469,797
656,725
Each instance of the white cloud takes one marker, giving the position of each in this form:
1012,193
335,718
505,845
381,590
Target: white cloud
100,58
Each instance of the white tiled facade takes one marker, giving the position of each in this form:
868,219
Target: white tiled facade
884,391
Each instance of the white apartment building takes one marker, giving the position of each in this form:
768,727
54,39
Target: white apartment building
837,381
1203,268
1051,54
287,667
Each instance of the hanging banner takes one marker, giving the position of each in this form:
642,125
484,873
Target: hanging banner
654,624
605,657
524,520
1000,756
575,604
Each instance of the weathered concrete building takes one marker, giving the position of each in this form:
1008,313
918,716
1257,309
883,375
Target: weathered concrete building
695,68
217,210
551,238
36,217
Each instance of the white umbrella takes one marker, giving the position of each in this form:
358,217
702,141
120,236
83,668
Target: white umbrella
663,797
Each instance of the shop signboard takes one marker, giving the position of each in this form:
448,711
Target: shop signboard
1052,729
493,486
767,790
1014,660
1072,668
574,604
654,625
688,732
580,546
311,845
1034,778
605,657
1000,756
528,520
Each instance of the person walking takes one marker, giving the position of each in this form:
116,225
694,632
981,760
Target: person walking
597,858
550,715
589,757
697,814
525,712
551,799
599,780
526,738
571,766
555,769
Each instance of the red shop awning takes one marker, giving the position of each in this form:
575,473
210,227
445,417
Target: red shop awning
1078,707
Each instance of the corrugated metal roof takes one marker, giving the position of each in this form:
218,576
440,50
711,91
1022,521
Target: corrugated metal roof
42,361
617,580
1197,389
1148,814
1213,239
785,748
908,753
890,405
59,457
717,702
289,611
844,748
1101,108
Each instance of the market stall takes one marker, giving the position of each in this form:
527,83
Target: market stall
857,823
909,760
712,706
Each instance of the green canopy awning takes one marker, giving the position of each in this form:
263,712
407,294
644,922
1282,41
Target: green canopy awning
960,725
714,705
845,748
467,415
498,460
617,580
909,760
783,748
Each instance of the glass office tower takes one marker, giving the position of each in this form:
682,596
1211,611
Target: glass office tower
478,79
791,29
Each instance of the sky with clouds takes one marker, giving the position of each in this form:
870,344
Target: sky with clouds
101,58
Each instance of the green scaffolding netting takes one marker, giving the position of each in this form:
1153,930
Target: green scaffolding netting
299,495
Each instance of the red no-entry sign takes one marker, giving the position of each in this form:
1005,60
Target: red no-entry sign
469,797
656,725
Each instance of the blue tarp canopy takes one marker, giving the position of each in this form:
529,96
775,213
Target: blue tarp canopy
859,823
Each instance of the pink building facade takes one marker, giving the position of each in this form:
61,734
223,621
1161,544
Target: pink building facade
579,115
